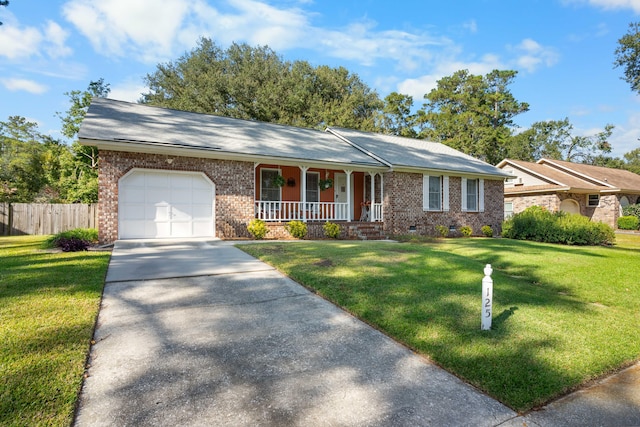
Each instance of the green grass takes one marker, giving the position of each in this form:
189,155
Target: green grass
562,316
48,306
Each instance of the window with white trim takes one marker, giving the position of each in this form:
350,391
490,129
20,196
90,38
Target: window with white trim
269,189
508,210
472,195
313,188
435,193
593,200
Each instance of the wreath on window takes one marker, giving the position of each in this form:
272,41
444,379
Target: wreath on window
279,181
325,184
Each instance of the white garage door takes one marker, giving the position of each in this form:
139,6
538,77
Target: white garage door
162,204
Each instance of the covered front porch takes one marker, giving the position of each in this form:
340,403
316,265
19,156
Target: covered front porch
286,193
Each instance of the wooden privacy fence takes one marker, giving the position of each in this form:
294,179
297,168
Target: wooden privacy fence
43,218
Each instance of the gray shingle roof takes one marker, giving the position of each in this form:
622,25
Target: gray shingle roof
417,153
129,125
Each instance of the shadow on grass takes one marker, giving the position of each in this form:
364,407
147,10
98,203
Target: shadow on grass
429,299
499,320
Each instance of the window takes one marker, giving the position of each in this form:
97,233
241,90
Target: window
509,180
313,188
508,210
269,190
593,200
435,193
472,195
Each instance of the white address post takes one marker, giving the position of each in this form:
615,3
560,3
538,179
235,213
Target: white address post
487,298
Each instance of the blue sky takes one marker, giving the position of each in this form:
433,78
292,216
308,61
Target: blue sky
563,50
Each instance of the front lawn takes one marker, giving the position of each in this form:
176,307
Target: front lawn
562,316
48,306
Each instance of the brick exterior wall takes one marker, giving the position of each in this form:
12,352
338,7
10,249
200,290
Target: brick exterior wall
234,199
549,201
348,231
234,203
403,206
608,211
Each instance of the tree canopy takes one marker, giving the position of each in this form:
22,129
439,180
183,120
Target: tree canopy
38,168
553,139
473,114
628,56
255,83
396,117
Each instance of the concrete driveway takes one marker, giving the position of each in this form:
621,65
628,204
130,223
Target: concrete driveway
199,333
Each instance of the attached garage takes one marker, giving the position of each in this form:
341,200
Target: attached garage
165,204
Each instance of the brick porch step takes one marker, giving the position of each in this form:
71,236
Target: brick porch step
367,231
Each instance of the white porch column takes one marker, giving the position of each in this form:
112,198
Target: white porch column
349,207
303,189
381,197
372,211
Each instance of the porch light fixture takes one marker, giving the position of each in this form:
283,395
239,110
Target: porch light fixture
291,182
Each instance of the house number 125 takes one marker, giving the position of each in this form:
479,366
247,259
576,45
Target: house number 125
487,298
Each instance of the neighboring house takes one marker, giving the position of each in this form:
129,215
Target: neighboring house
166,173
596,192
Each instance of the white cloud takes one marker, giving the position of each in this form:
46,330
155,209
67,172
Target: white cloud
361,43
30,86
531,55
18,43
130,90
153,32
471,26
625,137
116,27
418,87
56,37
610,4
159,33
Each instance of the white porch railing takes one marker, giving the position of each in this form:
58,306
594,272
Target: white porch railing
377,211
309,211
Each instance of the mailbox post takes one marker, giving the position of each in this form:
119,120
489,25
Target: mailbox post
487,298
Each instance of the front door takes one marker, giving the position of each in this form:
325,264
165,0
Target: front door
340,193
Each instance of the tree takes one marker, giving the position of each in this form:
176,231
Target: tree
22,160
255,83
628,56
80,101
473,114
553,139
79,179
633,161
396,117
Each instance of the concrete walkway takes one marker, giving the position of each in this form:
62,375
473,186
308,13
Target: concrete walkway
199,333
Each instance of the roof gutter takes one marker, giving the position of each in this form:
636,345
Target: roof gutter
147,147
542,190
